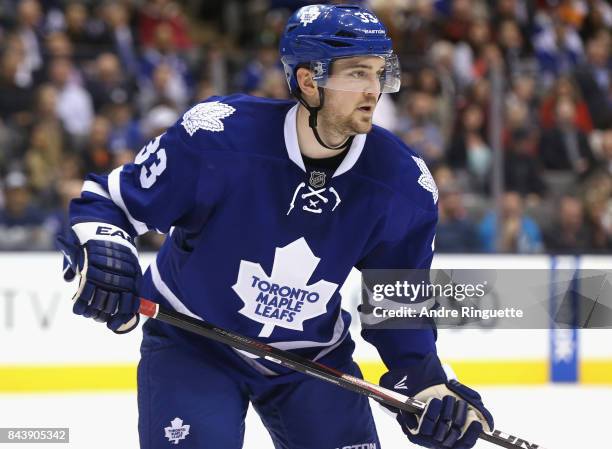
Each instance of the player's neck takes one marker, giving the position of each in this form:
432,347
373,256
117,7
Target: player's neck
308,143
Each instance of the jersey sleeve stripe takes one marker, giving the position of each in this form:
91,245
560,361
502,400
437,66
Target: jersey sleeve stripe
114,187
94,187
168,295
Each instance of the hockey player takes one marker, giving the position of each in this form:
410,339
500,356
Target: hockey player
268,205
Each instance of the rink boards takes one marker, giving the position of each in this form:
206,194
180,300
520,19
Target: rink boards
44,347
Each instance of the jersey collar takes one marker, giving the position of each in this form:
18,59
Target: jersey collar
293,149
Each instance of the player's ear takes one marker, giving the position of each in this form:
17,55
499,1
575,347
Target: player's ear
308,86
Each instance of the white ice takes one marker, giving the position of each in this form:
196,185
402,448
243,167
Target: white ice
556,417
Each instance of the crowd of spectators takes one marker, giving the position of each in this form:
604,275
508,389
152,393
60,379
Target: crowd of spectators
84,84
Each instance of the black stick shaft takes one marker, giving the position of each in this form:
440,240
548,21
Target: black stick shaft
305,366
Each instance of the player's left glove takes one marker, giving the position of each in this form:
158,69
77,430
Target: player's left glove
455,414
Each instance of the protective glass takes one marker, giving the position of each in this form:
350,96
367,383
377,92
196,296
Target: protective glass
360,77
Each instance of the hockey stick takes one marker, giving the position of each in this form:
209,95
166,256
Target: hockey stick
305,366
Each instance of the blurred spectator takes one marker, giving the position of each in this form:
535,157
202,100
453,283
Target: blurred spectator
441,56
117,18
598,17
126,131
264,60
455,232
418,130
46,104
164,72
58,46
17,96
72,167
163,52
386,114
204,89
57,222
157,120
569,233
87,35
605,153
459,20
29,31
469,55
522,169
564,87
599,215
519,11
515,51
416,21
273,85
517,120
523,91
123,156
565,147
21,222
518,232
442,101
74,105
97,156
558,48
571,12
468,148
595,80
43,159
108,84
163,12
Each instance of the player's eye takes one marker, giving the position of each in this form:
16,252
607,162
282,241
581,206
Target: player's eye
359,74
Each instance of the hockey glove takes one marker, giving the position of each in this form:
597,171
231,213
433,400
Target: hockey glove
109,280
454,416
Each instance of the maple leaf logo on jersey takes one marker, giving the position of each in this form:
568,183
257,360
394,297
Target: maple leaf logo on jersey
309,15
177,431
426,180
283,299
206,116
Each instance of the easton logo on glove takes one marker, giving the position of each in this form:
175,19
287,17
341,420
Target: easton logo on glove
113,232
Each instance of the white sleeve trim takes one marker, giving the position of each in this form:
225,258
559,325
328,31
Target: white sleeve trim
114,187
94,187
103,231
448,370
168,295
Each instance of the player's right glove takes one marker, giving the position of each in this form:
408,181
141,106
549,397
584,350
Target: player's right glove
455,415
109,279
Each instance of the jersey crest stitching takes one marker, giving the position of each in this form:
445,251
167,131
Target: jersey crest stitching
206,116
425,179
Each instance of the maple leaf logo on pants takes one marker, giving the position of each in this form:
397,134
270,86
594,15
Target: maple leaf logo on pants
284,298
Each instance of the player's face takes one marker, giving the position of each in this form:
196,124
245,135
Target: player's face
350,101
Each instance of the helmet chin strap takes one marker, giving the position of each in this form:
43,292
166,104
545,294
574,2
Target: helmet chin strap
312,121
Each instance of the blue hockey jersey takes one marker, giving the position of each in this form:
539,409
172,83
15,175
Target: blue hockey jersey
259,244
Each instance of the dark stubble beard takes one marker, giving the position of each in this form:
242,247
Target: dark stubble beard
340,127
